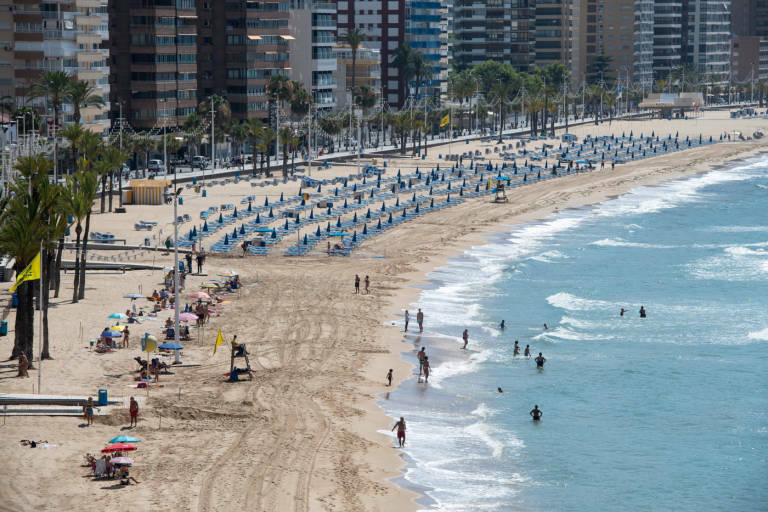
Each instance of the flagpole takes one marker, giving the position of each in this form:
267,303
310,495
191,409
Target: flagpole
40,324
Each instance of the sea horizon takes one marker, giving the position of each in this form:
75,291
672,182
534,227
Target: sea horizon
629,400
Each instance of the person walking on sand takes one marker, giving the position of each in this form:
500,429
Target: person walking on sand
367,284
199,260
420,320
465,337
400,426
134,410
389,377
426,369
188,258
23,365
536,413
407,318
126,334
357,283
88,410
421,355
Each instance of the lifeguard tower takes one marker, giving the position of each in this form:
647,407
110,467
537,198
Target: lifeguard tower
501,194
240,352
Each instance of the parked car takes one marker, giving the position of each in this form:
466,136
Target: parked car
156,166
199,162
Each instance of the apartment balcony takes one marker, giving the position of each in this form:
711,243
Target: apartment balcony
324,6
89,57
90,38
88,21
88,4
92,74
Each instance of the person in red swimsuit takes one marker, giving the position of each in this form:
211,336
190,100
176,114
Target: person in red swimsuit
400,426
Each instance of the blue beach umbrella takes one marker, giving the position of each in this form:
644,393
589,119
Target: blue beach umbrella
124,439
274,233
312,214
298,219
234,214
354,219
320,188
249,206
365,229
328,228
306,240
205,226
226,239
378,226
281,196
111,334
221,218
318,233
271,214
389,220
170,346
242,229
397,203
368,214
432,203
266,201
258,219
345,204
383,206
354,236
338,222
417,209
404,214
286,224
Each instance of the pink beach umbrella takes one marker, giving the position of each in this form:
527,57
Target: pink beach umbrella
188,317
200,295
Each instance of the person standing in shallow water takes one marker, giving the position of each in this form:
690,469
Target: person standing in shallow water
400,426
465,337
420,320
389,377
407,318
527,351
536,413
642,312
516,351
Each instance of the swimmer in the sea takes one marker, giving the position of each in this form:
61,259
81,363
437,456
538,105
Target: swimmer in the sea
501,326
540,361
527,352
545,327
536,413
621,313
516,349
642,312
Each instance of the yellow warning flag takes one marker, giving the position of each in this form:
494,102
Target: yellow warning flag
305,196
150,344
30,273
219,341
445,120
490,183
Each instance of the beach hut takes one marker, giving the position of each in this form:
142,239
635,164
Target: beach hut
145,191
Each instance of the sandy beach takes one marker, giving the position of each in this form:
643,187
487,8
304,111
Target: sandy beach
302,435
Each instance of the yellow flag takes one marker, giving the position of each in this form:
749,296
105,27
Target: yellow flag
30,273
219,341
490,183
150,345
445,120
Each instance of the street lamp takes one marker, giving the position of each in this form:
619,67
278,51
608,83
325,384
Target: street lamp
177,300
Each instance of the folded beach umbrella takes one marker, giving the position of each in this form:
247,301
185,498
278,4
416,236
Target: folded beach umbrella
306,240
221,218
368,214
338,222
118,316
234,233
430,190
389,220
336,191
312,214
271,214
298,219
448,199
383,207
258,219
354,236
194,230
397,203
398,173
242,229
449,186
274,233
205,226
426,182
226,239
320,188
317,233
432,203
404,215
345,204
378,226
281,196
371,196
303,202
286,224
461,191
328,228
249,206
354,219
124,439
365,229
234,214
266,201
345,182
417,209
329,210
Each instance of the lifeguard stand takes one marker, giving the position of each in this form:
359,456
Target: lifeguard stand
244,355
501,195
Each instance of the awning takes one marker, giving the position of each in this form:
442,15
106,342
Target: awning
254,38
289,38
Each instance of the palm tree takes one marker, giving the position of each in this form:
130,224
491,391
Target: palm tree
141,144
54,86
193,128
285,136
266,139
73,134
222,116
354,39
254,130
81,94
279,88
366,99
239,133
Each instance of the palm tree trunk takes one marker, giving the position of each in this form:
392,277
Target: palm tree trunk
25,320
103,192
111,188
83,254
59,251
46,257
78,232
285,161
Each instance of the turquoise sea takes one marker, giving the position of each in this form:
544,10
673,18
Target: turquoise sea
669,412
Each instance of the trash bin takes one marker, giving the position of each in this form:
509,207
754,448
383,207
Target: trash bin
204,194
181,200
146,242
194,182
3,328
102,397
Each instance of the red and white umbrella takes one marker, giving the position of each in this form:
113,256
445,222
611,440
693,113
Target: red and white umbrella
119,447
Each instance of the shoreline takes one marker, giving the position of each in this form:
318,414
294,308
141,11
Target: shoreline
416,281
303,435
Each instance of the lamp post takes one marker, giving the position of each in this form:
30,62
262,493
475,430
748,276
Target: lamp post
177,300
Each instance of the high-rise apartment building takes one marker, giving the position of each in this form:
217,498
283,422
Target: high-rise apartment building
744,17
153,56
367,72
667,36
169,55
7,38
312,38
383,23
426,31
495,30
642,66
64,36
